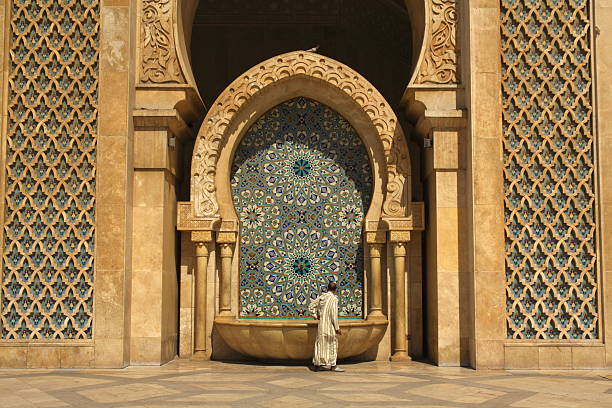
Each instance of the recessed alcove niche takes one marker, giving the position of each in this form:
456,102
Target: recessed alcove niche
300,174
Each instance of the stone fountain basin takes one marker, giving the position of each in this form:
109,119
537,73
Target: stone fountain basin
294,339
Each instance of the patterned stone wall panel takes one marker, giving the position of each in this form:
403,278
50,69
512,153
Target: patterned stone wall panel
159,59
50,173
302,184
439,64
551,263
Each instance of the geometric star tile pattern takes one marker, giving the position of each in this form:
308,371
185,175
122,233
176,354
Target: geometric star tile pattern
301,184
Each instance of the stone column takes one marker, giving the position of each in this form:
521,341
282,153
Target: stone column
376,283
225,295
400,348
202,253
154,294
442,126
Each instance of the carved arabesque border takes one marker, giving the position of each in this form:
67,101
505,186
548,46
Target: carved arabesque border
440,58
219,117
159,58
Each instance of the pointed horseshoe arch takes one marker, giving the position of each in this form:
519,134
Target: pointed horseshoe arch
281,78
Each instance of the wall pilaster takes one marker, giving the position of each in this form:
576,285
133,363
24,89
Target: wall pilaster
603,110
154,280
484,189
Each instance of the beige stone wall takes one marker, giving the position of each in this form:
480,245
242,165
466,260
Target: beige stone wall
109,346
154,282
489,347
113,246
485,187
603,112
141,298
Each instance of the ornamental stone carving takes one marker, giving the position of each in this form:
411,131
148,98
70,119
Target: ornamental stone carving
552,285
293,64
159,60
47,286
397,198
439,62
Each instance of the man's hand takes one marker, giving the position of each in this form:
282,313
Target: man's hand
338,332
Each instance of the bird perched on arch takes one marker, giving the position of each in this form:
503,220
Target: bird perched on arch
313,49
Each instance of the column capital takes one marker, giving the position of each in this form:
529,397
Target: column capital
376,237
375,250
202,236
226,237
227,249
399,248
399,236
201,249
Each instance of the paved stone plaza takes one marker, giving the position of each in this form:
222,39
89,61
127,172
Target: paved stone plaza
184,383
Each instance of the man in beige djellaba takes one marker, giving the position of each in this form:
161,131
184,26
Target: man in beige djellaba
325,309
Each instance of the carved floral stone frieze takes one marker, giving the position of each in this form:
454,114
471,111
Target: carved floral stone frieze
159,59
439,64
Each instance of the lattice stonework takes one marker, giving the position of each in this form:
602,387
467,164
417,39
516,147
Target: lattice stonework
49,220
551,273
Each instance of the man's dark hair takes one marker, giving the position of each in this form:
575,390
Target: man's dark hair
331,287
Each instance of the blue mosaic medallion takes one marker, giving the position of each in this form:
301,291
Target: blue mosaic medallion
301,184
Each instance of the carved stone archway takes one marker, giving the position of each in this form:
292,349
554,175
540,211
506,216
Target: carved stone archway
167,99
300,63
210,217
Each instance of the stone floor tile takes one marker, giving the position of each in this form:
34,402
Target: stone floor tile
219,377
216,397
557,401
364,397
456,393
581,388
411,405
225,387
352,387
289,401
54,382
294,382
215,384
123,393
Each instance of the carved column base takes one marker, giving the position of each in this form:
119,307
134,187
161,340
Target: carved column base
400,356
376,315
199,355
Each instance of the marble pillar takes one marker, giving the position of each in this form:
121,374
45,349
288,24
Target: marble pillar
400,347
376,283
227,252
202,253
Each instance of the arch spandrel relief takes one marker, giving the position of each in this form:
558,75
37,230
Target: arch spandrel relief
438,63
159,53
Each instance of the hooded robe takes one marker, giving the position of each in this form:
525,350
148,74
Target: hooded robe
325,308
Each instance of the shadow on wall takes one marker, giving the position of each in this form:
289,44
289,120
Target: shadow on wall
371,36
